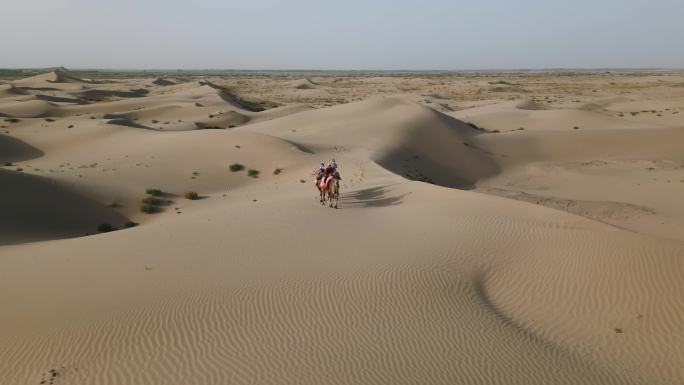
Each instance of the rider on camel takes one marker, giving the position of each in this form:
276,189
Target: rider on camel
320,173
329,170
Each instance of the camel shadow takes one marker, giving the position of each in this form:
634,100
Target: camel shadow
371,197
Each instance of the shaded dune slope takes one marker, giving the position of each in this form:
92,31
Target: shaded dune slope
36,209
406,138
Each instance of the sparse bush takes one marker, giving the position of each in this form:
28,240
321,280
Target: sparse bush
104,227
155,121
149,209
576,128
191,195
130,224
253,173
12,120
71,126
302,181
236,167
49,120
277,171
153,191
151,200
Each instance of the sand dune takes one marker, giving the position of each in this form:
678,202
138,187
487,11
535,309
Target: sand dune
37,209
549,255
304,84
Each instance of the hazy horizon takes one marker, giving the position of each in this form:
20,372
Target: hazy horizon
351,36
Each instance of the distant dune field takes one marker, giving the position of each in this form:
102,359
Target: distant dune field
491,229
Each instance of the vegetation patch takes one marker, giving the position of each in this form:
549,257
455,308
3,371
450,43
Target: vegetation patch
253,173
105,227
235,167
153,191
152,200
191,195
149,209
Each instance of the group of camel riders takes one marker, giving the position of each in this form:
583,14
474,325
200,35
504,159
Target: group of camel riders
328,181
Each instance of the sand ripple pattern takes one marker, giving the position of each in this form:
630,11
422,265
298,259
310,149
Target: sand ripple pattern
398,325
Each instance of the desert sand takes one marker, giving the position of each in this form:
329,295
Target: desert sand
493,228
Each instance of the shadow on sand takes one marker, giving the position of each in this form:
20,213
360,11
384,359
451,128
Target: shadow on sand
371,197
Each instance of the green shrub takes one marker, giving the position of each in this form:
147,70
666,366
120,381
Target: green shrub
151,200
153,191
253,173
236,167
191,195
148,208
104,227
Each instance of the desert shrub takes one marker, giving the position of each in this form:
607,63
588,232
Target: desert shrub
151,200
148,208
576,128
105,227
253,173
277,171
191,195
302,181
155,121
236,167
71,126
153,191
130,224
49,120
12,120
8,164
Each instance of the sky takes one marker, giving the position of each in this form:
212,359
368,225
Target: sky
342,35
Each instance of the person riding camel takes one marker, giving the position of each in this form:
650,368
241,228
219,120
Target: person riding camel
329,170
320,173
334,165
